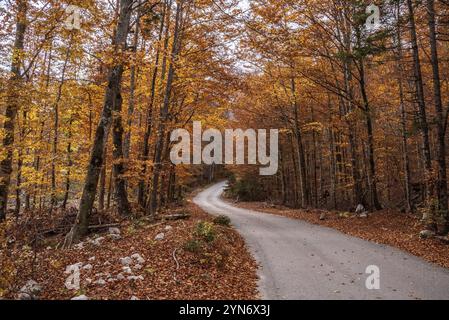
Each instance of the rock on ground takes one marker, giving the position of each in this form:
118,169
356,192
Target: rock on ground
80,298
427,234
138,258
29,291
160,237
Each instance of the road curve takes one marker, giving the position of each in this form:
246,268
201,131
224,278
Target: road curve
303,261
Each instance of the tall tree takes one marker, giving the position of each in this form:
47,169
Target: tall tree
164,109
112,103
13,104
441,187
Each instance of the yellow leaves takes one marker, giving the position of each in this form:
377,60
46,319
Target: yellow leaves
313,127
56,264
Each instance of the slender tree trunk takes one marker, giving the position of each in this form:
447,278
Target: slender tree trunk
12,105
296,188
305,190
442,174
69,167
407,175
121,194
370,148
164,111
20,163
346,108
132,91
56,128
112,103
142,190
102,192
421,102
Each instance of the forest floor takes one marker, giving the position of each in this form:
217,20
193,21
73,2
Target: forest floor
182,265
384,227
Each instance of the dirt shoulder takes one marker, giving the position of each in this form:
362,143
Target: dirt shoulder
182,265
384,227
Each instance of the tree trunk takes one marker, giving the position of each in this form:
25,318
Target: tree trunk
421,102
442,174
407,175
69,167
164,112
305,190
12,106
142,190
132,91
112,103
56,128
370,131
118,167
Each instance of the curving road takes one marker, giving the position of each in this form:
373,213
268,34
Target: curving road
302,261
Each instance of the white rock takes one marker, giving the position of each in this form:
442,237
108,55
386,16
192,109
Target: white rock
88,280
426,234
87,267
168,228
97,241
134,298
160,237
360,209
126,261
363,215
107,263
127,270
135,278
29,291
115,231
80,298
138,258
91,259
115,236
79,246
100,282
138,267
120,276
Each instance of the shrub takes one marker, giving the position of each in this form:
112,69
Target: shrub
222,220
247,188
193,246
206,231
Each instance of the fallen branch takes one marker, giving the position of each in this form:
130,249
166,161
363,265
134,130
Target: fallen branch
63,229
181,216
102,226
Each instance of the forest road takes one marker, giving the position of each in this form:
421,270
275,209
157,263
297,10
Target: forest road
299,260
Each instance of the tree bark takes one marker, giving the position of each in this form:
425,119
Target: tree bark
406,159
305,190
132,91
421,101
164,111
441,184
12,105
142,190
112,101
